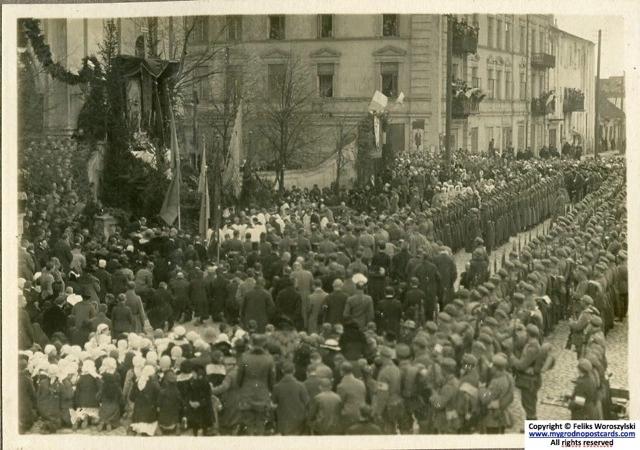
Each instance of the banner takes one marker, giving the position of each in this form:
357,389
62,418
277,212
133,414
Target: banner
377,126
231,174
171,205
205,203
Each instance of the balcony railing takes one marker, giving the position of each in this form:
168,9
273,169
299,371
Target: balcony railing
465,38
463,107
543,60
573,100
539,106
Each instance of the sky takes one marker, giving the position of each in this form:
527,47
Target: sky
612,52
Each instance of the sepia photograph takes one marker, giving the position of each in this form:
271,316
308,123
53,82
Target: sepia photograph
274,224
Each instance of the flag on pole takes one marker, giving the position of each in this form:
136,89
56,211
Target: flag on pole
231,175
376,130
171,206
378,102
205,203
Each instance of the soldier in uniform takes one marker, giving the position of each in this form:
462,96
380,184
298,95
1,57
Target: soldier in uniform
527,371
584,398
468,395
409,373
387,404
444,400
497,397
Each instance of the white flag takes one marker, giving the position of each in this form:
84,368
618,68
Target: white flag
400,99
378,102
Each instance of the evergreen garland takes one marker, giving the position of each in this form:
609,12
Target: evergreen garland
91,69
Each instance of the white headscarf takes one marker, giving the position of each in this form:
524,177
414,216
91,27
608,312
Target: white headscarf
138,364
147,372
109,365
89,368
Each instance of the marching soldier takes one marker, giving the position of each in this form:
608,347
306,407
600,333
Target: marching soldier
444,400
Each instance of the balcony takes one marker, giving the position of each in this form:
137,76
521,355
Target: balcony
463,107
541,106
543,61
465,38
573,100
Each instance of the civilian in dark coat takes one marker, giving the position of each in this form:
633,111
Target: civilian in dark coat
430,283
122,317
389,313
257,305
145,400
335,302
218,292
197,401
161,312
180,290
198,297
80,336
289,304
291,398
448,274
101,318
399,263
256,378
104,278
54,319
62,251
414,304
170,404
26,399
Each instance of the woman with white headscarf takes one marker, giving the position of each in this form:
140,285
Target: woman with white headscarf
48,399
110,396
68,376
145,401
86,402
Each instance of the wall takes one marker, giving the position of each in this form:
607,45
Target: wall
323,175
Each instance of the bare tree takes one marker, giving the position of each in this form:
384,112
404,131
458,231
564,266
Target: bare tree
344,133
285,113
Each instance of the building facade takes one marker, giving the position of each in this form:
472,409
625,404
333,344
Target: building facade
519,61
573,81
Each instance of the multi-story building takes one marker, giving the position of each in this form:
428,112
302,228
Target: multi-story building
514,60
573,81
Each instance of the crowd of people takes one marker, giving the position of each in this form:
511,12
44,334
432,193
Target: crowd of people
330,313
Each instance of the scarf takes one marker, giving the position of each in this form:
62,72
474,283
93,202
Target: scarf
147,372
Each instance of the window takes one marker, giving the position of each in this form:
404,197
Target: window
491,87
490,32
541,48
498,85
390,25
523,86
234,28
508,86
541,85
523,39
233,83
276,75
201,81
198,29
276,27
389,75
521,137
533,41
499,34
507,37
476,21
474,139
475,80
325,80
325,25
454,71
489,133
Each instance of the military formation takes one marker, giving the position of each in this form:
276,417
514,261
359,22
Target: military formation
349,319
